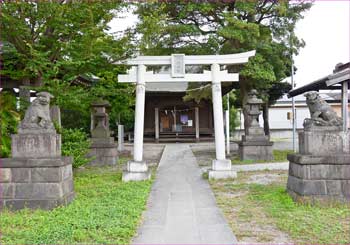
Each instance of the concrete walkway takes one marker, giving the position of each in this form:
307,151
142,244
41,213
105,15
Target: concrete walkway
181,207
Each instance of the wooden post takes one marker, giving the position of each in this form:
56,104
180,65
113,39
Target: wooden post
344,105
156,123
197,123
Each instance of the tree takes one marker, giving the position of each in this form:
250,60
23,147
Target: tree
49,44
221,27
9,119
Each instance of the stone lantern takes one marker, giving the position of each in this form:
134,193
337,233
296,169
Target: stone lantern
100,119
255,145
103,149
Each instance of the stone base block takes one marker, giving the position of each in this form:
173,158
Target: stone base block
324,142
136,176
35,145
103,153
255,150
133,166
225,174
221,165
319,178
36,183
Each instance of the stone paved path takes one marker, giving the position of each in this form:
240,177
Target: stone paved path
181,207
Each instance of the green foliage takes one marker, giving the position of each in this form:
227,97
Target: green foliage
9,119
76,144
105,211
50,44
222,27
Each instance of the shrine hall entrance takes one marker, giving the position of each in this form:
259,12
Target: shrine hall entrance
177,120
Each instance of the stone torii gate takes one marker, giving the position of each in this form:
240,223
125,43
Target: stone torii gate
221,167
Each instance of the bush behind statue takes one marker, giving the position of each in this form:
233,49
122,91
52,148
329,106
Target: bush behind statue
75,143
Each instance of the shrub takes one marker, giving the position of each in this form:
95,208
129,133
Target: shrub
9,119
75,143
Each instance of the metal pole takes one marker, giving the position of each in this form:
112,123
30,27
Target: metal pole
293,106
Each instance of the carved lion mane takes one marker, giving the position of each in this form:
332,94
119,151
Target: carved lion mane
38,113
322,114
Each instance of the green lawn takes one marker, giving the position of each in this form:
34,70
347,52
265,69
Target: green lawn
105,210
305,224
260,213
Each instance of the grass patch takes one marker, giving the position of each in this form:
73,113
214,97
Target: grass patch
278,155
305,223
265,212
105,211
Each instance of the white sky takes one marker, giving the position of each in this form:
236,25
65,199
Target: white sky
325,29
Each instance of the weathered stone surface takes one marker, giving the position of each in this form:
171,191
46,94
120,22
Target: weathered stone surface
136,176
67,172
321,113
46,175
38,187
226,174
254,145
35,162
67,186
221,165
334,187
307,187
133,166
38,191
21,175
318,199
103,155
43,145
37,117
320,171
16,204
5,175
323,142
7,190
255,150
337,159
345,185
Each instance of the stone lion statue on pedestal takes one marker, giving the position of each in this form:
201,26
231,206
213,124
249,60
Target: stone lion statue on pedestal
322,114
37,115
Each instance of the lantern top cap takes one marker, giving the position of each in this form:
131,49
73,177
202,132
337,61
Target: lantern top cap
252,97
100,103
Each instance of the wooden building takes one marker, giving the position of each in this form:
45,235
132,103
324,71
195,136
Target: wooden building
168,117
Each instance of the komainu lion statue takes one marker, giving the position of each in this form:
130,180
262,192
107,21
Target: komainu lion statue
37,115
321,113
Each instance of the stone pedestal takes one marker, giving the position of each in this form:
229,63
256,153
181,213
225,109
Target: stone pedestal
103,151
33,183
27,145
321,170
255,150
121,149
136,171
222,169
36,176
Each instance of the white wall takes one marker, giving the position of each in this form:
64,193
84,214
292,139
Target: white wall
278,118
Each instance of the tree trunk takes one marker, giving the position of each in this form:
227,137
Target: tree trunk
265,110
244,89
